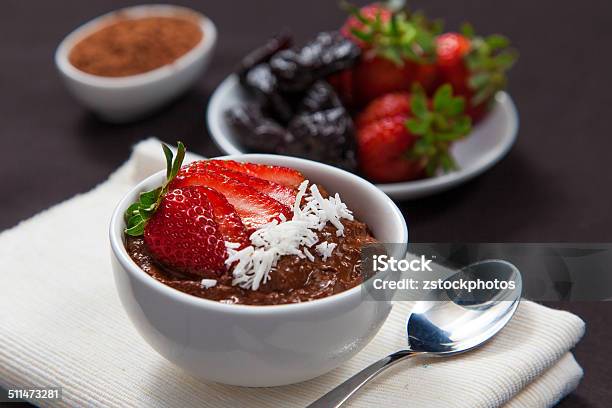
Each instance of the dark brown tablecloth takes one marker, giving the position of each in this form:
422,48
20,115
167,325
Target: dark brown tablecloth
555,185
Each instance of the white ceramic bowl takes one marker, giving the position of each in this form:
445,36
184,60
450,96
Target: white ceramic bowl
259,345
487,144
120,99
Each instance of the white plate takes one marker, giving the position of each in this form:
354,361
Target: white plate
486,145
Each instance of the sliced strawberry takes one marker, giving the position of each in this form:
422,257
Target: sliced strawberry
254,208
278,174
183,235
283,194
226,217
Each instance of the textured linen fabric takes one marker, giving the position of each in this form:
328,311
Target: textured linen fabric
61,324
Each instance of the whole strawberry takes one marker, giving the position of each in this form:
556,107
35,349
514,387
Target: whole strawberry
185,228
362,19
375,76
389,105
183,235
383,147
403,137
451,49
398,51
475,67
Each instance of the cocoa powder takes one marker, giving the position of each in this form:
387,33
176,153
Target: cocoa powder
126,47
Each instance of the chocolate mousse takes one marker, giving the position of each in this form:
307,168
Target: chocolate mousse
293,280
245,233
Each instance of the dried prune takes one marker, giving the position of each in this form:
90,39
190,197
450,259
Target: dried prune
328,52
263,83
256,131
326,136
281,41
320,96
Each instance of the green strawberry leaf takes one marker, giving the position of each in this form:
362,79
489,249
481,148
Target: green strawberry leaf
138,213
393,55
418,103
467,30
178,161
497,41
437,126
136,229
448,163
456,107
365,37
479,80
149,198
488,61
443,98
405,37
168,154
417,127
132,210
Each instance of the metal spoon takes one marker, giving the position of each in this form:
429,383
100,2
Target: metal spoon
446,324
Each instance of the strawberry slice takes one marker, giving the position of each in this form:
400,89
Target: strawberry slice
183,235
283,194
226,217
278,174
254,208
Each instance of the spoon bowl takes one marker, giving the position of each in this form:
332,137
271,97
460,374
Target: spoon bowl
449,322
457,321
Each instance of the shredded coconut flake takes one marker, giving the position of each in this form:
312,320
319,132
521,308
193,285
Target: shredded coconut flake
325,249
208,283
287,237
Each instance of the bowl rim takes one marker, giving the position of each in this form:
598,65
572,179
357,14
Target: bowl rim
203,47
118,248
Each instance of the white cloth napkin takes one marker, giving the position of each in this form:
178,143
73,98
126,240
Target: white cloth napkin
61,324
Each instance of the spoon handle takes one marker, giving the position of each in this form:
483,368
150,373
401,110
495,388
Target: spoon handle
339,395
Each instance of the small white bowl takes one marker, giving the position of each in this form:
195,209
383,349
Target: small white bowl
121,99
259,346
486,145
